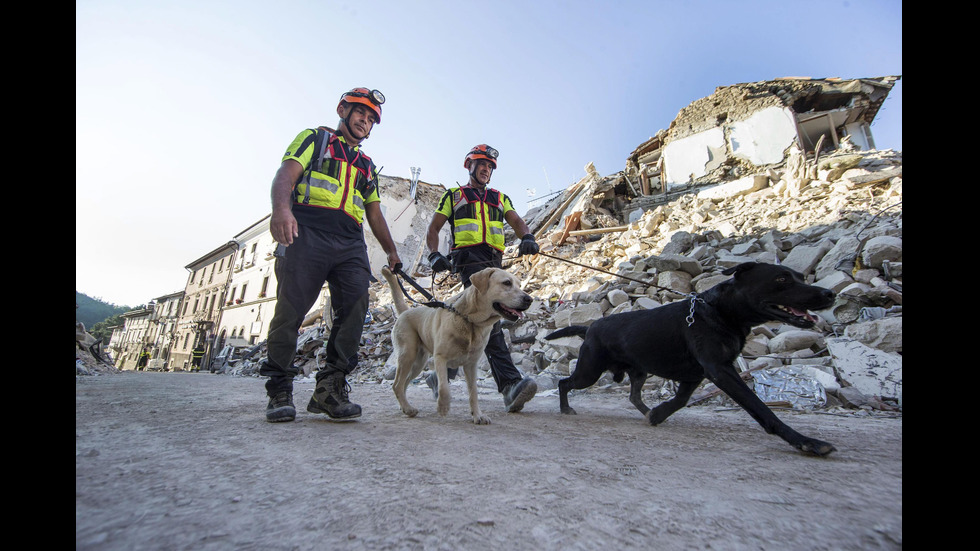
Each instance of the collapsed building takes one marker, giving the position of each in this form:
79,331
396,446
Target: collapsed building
740,133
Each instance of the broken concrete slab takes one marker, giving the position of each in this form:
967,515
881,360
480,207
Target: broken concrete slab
873,372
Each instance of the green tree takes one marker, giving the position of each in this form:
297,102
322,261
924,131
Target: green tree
90,310
103,329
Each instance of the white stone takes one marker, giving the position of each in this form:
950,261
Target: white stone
871,371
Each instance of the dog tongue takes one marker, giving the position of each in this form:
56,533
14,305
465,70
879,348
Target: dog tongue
517,313
803,314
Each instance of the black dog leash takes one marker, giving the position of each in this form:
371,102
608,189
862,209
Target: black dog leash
432,303
402,275
695,298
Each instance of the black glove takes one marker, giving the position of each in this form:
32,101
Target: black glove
439,262
528,245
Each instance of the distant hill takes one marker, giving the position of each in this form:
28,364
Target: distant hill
92,310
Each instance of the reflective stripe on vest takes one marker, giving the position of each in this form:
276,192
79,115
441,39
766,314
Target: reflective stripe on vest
477,218
334,182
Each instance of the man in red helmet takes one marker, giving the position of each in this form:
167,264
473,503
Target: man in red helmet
325,187
477,213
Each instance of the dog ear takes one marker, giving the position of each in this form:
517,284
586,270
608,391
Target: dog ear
740,268
481,279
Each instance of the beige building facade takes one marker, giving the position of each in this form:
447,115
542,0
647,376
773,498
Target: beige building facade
251,299
204,295
133,348
164,319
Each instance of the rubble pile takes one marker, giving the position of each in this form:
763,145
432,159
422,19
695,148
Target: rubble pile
89,358
837,220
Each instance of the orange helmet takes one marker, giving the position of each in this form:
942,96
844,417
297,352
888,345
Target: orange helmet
482,151
371,98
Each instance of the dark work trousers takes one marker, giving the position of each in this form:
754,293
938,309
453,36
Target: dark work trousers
317,256
467,262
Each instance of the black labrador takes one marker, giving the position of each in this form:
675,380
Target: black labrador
684,345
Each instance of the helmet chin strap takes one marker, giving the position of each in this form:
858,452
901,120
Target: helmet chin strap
473,175
350,131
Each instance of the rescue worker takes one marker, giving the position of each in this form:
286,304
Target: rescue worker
477,213
196,356
323,190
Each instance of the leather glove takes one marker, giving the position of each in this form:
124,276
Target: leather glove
528,245
439,262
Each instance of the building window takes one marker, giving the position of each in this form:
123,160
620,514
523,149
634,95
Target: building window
221,265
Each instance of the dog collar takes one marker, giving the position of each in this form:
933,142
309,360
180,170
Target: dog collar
694,299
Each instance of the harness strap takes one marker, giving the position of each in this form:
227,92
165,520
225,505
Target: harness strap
432,303
320,143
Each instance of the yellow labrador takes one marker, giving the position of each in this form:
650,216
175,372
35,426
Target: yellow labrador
454,334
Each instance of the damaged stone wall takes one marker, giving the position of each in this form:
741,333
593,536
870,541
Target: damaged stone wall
747,127
408,221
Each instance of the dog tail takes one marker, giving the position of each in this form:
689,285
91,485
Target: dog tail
396,291
570,331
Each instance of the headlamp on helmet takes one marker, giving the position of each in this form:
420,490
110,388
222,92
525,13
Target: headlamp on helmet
482,151
373,99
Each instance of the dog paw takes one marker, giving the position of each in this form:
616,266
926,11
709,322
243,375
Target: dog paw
481,419
410,411
442,409
817,447
654,418
569,411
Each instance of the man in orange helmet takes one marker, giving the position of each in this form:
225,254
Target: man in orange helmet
325,187
477,213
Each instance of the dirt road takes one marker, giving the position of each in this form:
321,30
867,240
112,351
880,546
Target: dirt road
187,461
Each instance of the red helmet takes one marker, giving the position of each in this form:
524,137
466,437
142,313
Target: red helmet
371,98
482,151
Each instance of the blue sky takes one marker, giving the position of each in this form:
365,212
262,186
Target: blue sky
183,109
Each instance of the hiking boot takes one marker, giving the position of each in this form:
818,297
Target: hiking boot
519,393
280,408
433,381
330,397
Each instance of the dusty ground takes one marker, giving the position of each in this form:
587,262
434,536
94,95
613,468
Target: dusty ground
187,461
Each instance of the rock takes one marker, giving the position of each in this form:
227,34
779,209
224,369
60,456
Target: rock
617,297
880,249
842,254
852,397
679,282
801,339
835,281
674,263
645,303
804,258
523,333
884,334
871,371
